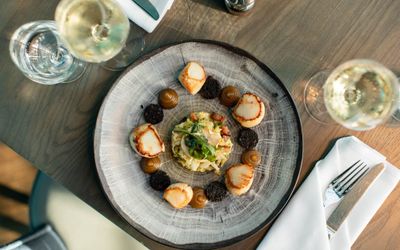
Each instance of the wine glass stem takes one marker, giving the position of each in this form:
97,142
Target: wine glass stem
314,98
100,32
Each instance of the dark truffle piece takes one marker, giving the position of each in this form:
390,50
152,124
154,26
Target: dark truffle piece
210,89
153,114
215,191
160,180
247,138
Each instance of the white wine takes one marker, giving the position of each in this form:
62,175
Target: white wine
360,94
93,30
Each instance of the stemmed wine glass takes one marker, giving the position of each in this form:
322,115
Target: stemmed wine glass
359,94
36,49
97,31
94,31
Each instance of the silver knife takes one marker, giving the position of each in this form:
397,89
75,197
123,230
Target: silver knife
350,200
147,6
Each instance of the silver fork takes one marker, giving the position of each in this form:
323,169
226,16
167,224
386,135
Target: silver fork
343,183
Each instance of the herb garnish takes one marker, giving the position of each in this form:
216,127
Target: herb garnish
198,145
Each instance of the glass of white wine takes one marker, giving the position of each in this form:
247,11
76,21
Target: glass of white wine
359,94
97,31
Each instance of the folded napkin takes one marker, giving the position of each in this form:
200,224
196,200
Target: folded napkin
140,17
302,224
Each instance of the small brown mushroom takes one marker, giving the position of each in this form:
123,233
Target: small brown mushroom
168,98
199,199
217,117
251,157
225,131
229,96
193,117
150,165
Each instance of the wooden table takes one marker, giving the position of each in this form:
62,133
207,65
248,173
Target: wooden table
52,126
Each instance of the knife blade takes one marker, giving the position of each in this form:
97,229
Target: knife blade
148,7
344,208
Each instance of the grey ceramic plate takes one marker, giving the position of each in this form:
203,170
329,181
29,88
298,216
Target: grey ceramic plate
219,223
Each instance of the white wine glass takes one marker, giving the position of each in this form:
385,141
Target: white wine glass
359,94
97,31
36,49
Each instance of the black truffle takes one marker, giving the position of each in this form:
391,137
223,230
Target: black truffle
160,180
215,191
153,114
210,89
247,138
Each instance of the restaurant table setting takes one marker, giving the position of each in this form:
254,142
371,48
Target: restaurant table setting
302,224
199,144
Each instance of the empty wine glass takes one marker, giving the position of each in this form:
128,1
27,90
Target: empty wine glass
359,94
37,51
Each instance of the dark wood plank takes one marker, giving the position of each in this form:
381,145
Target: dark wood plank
52,126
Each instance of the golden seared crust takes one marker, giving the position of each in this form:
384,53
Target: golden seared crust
178,195
146,141
193,77
238,178
249,111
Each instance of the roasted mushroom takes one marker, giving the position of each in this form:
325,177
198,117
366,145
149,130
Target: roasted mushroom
229,96
150,165
199,199
251,157
168,98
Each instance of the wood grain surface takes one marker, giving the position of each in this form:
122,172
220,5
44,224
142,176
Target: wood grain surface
52,126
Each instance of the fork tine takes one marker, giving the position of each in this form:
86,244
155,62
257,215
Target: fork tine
342,174
359,170
355,181
347,176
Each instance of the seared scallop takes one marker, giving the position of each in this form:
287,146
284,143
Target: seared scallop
193,77
249,111
146,141
178,195
238,178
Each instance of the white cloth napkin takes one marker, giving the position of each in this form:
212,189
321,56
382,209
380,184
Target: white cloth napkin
302,224
140,17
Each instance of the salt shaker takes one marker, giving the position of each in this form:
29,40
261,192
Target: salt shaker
239,7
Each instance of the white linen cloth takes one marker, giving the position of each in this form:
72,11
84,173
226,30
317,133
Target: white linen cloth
302,224
140,17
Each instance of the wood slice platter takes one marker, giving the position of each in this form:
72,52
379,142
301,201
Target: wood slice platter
219,223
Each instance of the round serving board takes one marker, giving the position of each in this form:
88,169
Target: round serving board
219,223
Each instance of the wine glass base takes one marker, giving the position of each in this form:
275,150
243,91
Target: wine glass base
132,50
314,98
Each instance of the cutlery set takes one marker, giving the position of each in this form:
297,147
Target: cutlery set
348,188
